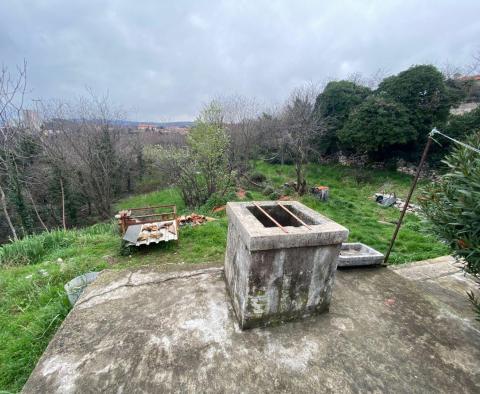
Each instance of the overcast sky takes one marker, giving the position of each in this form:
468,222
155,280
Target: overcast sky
160,60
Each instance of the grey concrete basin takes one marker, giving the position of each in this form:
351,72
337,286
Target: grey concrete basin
357,254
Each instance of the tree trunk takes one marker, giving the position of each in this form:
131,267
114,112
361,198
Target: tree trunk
63,204
129,182
36,211
301,183
7,216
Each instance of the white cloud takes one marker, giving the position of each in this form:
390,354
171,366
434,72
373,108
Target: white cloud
198,22
162,59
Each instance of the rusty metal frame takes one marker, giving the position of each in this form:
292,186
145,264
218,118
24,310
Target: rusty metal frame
270,217
294,216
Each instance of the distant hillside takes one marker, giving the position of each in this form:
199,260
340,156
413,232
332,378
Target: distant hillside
132,123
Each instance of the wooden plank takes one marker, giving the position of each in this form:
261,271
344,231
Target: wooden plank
295,216
268,216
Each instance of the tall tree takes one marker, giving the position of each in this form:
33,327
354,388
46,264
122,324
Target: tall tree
421,89
12,135
239,118
201,169
83,147
299,130
332,108
377,125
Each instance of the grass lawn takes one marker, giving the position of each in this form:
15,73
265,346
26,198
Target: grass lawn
351,205
33,302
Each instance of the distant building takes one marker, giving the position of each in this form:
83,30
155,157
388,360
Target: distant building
469,78
166,127
464,108
31,119
470,84
146,127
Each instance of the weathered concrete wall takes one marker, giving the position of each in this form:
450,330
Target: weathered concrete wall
236,275
268,286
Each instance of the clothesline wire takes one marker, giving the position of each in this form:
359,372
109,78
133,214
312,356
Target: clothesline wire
436,131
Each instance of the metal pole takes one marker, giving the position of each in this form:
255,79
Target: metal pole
404,210
294,216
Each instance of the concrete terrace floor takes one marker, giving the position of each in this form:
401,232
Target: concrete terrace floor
409,329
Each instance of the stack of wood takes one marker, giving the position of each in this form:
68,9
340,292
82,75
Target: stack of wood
321,192
412,208
123,218
154,230
193,219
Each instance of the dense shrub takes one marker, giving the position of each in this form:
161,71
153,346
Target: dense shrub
362,176
376,125
332,108
268,190
258,177
338,98
457,90
214,201
463,90
422,90
452,206
274,196
217,200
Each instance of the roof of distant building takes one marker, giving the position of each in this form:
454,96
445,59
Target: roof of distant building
469,78
145,126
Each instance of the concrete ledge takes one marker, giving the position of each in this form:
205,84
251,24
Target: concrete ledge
143,331
257,237
428,269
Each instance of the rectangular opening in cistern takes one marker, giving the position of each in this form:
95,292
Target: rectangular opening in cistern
283,217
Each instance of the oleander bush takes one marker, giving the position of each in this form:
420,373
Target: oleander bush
452,205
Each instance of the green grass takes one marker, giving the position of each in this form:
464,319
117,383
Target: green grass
33,248
166,196
33,302
32,299
351,204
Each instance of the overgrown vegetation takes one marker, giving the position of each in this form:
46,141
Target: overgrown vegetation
200,169
64,164
391,121
74,166
377,125
421,89
33,302
452,205
351,198
332,108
